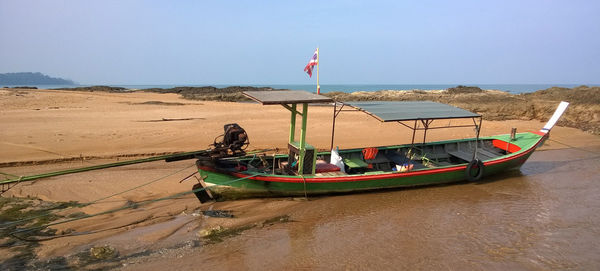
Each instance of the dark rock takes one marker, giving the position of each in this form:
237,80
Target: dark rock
25,87
218,213
579,95
464,89
96,88
209,93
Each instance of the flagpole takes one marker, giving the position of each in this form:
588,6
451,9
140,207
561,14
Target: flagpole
318,87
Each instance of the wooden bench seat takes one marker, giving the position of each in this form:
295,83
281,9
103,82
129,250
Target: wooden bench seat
489,153
462,155
468,156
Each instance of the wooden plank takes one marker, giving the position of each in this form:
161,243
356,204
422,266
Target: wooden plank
462,155
488,153
469,156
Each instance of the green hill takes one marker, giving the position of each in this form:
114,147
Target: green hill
31,78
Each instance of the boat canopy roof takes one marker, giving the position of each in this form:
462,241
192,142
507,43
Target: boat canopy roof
411,110
286,97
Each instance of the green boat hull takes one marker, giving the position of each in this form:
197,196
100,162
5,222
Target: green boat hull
244,183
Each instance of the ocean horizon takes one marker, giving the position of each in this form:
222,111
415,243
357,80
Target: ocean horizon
511,88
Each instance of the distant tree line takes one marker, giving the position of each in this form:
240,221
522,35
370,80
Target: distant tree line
32,78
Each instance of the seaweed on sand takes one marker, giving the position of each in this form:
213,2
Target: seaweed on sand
21,214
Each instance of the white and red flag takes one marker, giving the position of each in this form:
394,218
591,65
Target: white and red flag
314,60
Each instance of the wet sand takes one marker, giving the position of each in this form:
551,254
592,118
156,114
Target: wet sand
543,216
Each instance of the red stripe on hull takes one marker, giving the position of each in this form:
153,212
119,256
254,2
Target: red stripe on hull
312,179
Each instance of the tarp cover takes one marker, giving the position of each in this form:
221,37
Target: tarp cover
411,110
286,97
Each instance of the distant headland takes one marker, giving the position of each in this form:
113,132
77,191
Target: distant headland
31,78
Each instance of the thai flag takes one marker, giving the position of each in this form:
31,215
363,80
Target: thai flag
314,60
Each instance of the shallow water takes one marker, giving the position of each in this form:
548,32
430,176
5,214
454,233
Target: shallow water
543,216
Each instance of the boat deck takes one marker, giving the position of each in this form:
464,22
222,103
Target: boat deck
389,158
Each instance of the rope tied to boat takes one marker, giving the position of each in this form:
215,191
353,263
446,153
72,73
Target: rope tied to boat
8,174
20,221
128,206
573,147
304,181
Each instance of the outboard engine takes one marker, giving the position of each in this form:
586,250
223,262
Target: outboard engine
234,141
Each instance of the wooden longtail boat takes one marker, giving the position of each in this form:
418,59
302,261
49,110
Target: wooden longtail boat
306,171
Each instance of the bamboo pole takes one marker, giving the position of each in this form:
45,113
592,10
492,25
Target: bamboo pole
318,86
302,139
109,165
293,124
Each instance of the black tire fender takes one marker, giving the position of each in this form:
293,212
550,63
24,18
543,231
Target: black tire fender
479,173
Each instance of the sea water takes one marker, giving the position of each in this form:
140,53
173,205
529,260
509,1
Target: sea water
512,88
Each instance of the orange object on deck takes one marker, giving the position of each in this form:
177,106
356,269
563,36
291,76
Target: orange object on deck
369,153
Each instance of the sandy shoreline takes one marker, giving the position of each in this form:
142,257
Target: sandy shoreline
54,125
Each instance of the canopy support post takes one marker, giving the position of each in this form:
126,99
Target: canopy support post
293,124
412,142
303,140
477,130
335,114
426,126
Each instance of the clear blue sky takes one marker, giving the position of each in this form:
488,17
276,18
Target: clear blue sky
270,42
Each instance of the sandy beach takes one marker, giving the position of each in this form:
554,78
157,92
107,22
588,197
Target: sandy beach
47,125
48,130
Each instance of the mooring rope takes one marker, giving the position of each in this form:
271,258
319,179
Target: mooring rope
101,166
135,205
20,178
304,181
8,174
573,147
93,201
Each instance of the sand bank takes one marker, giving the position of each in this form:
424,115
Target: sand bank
45,130
54,124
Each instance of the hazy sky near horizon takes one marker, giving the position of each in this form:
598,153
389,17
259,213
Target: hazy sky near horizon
270,42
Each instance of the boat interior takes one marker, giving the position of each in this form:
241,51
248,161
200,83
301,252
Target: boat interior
372,160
